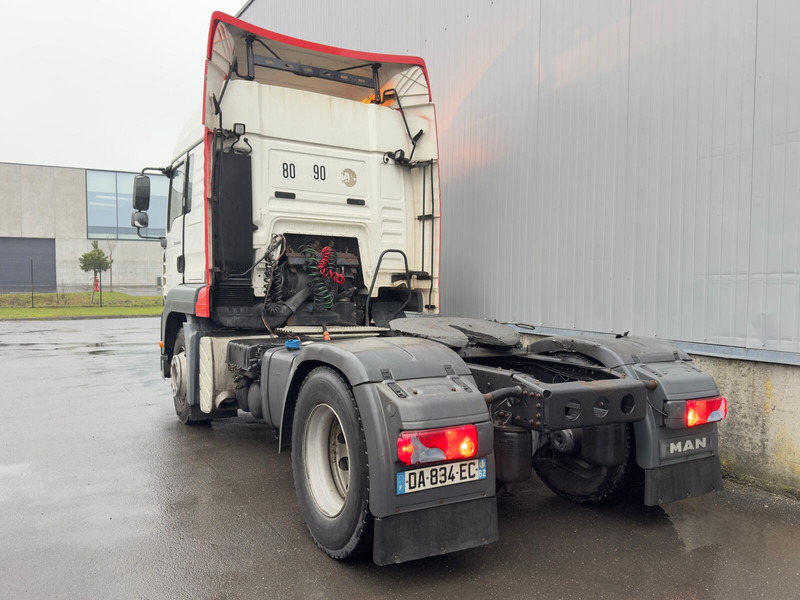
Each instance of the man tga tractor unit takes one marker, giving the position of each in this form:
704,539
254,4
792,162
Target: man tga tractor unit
301,269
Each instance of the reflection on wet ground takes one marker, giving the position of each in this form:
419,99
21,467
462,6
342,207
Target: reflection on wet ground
104,494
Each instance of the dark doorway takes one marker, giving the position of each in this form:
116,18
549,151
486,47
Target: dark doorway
15,264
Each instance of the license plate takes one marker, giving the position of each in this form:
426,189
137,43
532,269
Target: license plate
427,478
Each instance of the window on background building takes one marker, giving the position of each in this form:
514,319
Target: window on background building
109,205
101,205
125,231
159,189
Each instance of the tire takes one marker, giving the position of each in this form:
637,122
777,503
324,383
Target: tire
573,478
330,467
178,377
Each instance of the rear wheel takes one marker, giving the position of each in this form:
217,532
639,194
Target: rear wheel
571,477
329,464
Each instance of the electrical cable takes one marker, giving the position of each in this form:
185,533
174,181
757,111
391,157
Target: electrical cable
663,414
270,249
277,291
277,240
398,155
253,266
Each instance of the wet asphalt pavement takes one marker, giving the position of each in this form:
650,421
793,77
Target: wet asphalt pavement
104,494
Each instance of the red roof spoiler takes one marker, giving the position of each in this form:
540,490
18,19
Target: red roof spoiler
220,17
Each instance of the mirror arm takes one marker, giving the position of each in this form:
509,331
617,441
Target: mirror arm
149,237
162,170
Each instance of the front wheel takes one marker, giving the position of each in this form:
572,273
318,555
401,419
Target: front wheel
179,377
571,477
329,464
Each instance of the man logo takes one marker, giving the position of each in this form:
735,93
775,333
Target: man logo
349,177
687,445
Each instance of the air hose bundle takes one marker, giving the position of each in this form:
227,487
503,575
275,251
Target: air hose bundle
274,290
277,292
316,265
328,254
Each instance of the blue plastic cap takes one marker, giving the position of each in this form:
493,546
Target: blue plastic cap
293,344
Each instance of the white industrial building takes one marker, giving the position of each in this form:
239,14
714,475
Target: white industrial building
51,215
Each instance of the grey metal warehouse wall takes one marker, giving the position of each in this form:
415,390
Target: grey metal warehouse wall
617,165
606,166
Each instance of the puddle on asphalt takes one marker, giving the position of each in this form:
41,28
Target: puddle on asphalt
73,346
15,469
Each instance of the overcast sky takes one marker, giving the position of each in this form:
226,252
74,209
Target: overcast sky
101,84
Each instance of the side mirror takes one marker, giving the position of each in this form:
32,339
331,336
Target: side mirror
140,220
141,193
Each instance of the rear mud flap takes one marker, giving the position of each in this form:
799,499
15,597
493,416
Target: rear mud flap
683,480
437,530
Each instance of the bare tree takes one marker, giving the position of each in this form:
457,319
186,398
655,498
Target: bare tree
95,260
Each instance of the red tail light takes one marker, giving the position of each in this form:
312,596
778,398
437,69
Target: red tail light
432,445
708,410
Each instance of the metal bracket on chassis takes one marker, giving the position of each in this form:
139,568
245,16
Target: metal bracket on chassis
549,407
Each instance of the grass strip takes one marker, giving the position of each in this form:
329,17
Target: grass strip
66,312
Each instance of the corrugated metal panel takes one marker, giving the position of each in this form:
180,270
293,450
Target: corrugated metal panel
774,290
689,154
610,166
580,166
21,258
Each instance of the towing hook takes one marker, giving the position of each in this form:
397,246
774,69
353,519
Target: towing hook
503,394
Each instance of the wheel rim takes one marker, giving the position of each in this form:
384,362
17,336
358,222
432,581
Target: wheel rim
177,368
327,459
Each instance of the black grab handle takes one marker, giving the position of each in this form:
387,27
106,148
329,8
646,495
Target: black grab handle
375,276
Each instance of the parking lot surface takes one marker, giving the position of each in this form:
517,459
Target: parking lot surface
104,494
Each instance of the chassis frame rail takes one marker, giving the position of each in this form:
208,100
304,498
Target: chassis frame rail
546,407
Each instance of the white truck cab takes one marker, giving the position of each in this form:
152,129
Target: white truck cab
339,150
